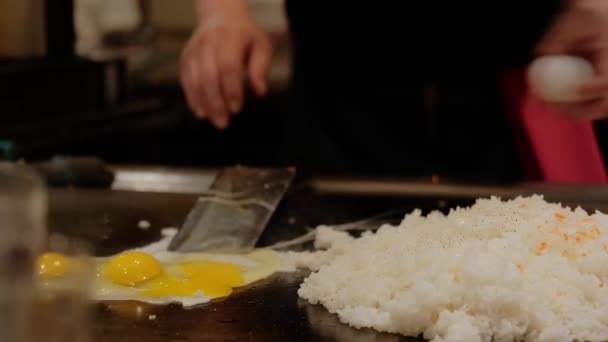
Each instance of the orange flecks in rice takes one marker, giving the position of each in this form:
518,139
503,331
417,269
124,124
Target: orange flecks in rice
542,246
580,236
558,293
602,285
587,219
555,231
566,237
520,267
560,217
583,254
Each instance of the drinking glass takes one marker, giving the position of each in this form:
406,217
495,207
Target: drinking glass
23,212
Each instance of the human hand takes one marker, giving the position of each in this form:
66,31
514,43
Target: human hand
582,30
226,44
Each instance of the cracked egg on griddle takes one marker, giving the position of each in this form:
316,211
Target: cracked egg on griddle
163,277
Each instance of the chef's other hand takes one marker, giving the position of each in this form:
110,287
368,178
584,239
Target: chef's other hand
582,30
225,45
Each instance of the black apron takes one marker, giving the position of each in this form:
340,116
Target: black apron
402,89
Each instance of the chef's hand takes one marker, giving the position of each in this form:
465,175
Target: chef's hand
225,44
582,30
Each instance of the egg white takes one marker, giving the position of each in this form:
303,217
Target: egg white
254,266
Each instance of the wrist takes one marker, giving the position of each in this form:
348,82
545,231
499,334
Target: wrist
218,9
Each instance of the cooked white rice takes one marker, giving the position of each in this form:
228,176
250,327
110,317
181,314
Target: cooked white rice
498,271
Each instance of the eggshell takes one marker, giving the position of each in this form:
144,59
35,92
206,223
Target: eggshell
558,78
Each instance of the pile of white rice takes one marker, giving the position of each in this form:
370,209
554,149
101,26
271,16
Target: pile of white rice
498,271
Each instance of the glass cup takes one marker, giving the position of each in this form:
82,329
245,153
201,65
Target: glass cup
23,212
61,302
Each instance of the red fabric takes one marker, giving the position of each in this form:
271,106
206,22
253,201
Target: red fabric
555,148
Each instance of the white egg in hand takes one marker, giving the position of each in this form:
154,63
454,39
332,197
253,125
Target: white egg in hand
558,78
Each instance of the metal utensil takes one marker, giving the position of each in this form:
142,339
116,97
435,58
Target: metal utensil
235,211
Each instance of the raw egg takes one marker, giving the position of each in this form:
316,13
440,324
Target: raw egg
166,277
558,78
132,268
52,265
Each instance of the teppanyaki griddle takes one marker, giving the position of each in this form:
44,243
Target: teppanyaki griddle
269,310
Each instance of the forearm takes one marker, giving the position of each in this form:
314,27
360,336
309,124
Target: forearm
220,8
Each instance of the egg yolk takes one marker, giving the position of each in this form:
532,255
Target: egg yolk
132,268
52,265
214,279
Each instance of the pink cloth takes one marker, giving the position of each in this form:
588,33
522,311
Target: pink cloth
556,149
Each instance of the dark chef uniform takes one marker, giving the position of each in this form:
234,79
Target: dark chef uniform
407,88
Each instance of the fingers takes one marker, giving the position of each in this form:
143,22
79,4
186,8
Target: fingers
212,68
210,86
594,89
582,33
260,57
595,92
558,43
589,110
200,79
593,103
571,33
189,78
600,56
231,57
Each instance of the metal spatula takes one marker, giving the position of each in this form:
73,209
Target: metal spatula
235,212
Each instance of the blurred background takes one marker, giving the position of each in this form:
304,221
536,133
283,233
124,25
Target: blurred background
100,77
108,85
